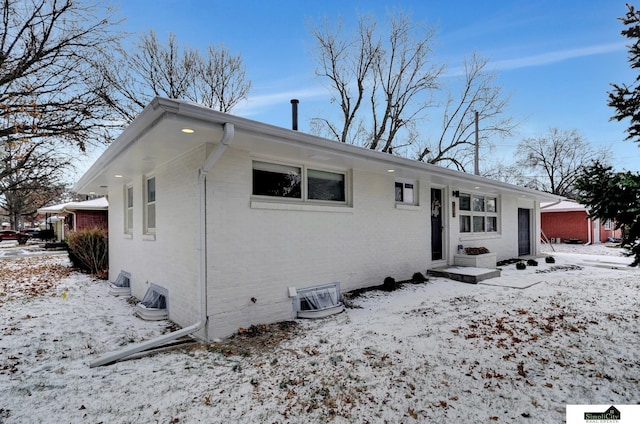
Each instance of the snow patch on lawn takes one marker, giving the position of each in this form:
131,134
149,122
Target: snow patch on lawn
439,351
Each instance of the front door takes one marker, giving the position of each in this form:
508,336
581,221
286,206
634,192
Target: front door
436,224
524,232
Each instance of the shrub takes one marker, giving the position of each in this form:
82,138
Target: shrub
89,250
521,265
390,284
532,262
418,277
476,250
550,260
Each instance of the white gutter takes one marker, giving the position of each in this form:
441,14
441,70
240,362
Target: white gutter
551,204
227,138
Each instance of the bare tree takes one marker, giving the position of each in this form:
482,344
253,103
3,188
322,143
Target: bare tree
505,172
130,79
48,103
346,60
47,48
36,182
222,82
479,93
384,85
391,77
555,160
403,80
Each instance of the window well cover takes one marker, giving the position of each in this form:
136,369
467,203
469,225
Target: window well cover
319,301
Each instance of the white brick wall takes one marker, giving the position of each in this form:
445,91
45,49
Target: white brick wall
260,253
170,260
256,252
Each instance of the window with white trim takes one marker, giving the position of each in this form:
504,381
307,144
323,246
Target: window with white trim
607,224
478,213
150,205
298,182
405,192
128,215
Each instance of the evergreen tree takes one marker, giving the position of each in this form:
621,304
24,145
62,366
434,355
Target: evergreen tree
626,98
616,195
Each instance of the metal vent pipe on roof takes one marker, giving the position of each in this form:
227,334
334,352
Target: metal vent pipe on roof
294,114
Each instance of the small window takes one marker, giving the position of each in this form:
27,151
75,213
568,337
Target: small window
150,209
405,192
399,192
324,185
270,179
607,224
128,227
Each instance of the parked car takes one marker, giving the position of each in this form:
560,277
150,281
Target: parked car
33,232
14,235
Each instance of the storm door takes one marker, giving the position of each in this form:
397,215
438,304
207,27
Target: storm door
524,232
436,224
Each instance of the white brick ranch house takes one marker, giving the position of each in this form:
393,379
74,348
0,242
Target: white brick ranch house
230,217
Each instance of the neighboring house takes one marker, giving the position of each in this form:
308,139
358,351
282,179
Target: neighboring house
75,216
568,221
231,219
4,220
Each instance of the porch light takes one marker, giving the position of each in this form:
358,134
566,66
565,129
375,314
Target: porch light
391,170
117,176
187,130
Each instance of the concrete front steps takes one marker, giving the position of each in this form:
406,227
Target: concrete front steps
465,274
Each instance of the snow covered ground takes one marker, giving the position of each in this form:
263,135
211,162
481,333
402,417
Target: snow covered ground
443,351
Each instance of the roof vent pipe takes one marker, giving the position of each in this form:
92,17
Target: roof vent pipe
294,114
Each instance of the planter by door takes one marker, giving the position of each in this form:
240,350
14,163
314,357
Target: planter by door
524,232
436,224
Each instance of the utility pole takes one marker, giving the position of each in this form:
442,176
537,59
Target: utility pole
476,158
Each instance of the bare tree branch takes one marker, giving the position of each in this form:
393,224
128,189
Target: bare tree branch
556,159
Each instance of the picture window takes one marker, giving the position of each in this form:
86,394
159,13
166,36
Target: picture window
298,183
478,213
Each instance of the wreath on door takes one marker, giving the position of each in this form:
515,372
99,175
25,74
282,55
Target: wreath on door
435,208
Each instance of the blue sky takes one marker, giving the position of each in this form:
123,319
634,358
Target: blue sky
556,58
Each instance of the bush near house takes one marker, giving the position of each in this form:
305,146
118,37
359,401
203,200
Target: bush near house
89,251
476,250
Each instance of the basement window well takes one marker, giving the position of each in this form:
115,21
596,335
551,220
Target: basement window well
121,287
154,305
318,301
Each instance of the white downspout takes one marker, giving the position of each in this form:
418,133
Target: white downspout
227,138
